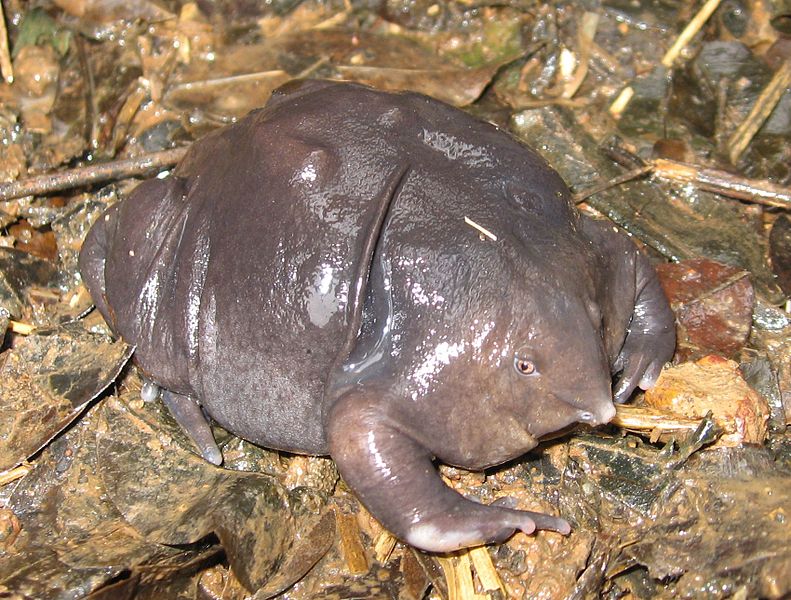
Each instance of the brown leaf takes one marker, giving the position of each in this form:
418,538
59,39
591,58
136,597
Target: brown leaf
47,380
713,305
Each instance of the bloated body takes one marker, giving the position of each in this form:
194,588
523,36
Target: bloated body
310,277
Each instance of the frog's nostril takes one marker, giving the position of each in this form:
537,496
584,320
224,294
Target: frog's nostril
601,416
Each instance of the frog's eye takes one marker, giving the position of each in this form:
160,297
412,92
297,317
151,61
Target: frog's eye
524,366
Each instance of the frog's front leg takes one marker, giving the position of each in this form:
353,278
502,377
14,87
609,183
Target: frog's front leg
651,338
395,479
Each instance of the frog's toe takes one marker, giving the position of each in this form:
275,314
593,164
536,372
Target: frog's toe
550,523
633,368
189,415
651,374
640,366
539,520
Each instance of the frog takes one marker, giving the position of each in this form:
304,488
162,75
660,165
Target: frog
385,279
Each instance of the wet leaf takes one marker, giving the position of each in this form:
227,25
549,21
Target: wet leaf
38,28
452,85
716,95
28,239
105,11
47,380
241,78
713,304
72,540
715,520
308,549
70,229
724,528
19,273
762,376
224,99
172,496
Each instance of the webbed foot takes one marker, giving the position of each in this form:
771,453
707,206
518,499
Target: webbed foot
189,415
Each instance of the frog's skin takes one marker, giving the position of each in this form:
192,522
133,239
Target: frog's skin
306,277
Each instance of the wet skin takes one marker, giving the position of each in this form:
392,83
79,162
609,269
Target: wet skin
306,278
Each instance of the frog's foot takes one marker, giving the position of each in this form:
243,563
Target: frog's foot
395,479
651,339
189,415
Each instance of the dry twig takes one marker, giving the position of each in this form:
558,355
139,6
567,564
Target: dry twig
82,176
761,110
485,570
711,180
481,229
643,418
21,328
724,183
689,32
7,477
620,103
384,544
351,544
580,197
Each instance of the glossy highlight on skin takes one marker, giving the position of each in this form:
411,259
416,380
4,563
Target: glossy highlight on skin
310,278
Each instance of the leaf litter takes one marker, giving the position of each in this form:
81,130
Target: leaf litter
103,494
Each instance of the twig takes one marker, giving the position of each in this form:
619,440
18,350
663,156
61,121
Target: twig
644,417
384,544
761,110
207,84
689,32
82,176
724,183
711,180
487,574
620,103
91,130
7,477
21,328
6,67
482,230
585,35
580,197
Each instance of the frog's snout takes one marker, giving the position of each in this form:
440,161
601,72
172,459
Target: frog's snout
601,415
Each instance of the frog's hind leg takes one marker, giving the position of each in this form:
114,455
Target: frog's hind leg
189,415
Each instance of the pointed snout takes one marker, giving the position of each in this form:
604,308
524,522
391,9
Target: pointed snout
559,412
601,414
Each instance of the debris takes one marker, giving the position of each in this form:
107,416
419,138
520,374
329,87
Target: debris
483,231
715,384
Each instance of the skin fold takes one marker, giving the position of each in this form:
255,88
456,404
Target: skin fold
309,279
